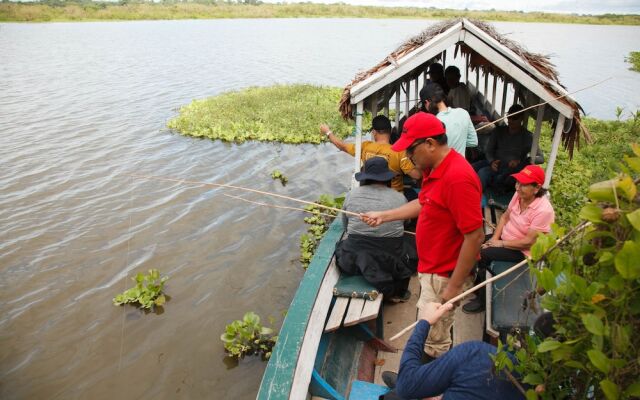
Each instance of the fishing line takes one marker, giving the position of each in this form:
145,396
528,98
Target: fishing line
126,274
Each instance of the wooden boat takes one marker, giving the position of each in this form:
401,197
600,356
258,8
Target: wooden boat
315,359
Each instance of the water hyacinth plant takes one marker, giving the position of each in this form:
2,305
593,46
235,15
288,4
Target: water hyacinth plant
282,113
280,176
147,292
248,336
318,225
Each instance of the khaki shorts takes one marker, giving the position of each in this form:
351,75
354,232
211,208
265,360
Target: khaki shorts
431,287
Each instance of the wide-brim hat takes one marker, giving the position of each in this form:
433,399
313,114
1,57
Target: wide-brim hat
530,174
375,169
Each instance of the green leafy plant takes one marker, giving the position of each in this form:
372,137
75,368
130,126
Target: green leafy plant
248,336
634,60
318,225
278,175
592,286
147,292
591,162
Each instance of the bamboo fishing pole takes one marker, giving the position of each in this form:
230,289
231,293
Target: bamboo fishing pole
578,228
292,208
224,185
278,206
464,294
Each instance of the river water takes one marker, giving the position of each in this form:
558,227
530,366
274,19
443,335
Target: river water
82,105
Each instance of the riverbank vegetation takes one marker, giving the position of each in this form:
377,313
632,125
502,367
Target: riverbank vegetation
634,60
282,113
592,288
83,10
591,162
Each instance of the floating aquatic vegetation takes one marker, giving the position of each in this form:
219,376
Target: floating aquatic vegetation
248,336
318,225
279,175
634,60
281,113
147,292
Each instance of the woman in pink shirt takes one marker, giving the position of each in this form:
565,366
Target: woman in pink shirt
529,213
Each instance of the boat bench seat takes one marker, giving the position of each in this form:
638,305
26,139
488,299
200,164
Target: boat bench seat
350,311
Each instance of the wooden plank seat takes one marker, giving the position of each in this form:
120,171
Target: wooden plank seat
350,311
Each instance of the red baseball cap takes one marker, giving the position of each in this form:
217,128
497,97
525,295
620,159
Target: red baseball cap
418,126
530,174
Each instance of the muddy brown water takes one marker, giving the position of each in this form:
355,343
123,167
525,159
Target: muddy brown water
82,106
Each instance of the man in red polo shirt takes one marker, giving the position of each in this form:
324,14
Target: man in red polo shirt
449,231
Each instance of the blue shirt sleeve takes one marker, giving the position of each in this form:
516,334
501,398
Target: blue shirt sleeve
417,380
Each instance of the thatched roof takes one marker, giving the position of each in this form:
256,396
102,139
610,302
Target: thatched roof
539,62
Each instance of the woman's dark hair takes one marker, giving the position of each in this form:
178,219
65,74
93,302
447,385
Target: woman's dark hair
541,192
372,182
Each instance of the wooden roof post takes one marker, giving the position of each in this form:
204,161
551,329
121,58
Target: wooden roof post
407,98
555,145
493,93
504,96
416,89
466,69
536,134
398,91
359,111
374,105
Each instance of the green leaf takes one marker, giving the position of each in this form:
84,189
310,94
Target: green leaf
627,187
616,283
547,279
606,259
627,261
160,300
548,345
602,191
633,162
634,219
599,360
610,389
533,379
591,212
531,394
633,390
593,324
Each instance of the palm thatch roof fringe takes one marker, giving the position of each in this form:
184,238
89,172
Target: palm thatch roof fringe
539,62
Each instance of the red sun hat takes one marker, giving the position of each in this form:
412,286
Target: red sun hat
419,126
530,174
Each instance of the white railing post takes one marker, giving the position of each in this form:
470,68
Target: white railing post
555,145
359,111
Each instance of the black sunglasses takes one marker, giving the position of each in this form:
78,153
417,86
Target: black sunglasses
415,144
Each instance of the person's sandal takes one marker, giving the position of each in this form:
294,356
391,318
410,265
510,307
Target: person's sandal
406,296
